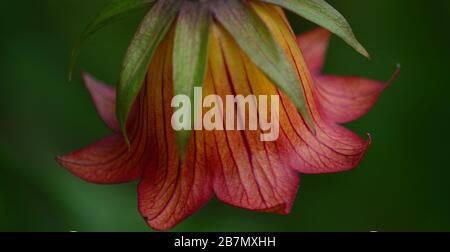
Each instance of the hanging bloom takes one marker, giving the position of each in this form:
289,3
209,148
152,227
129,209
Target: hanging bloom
227,47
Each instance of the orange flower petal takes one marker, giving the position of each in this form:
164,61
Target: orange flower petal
248,173
171,189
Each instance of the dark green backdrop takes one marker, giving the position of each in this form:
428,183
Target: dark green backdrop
402,185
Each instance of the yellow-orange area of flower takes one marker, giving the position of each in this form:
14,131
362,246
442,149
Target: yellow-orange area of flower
235,166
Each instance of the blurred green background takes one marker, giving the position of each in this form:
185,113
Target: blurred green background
402,185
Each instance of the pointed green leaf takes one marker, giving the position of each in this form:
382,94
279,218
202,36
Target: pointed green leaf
151,31
256,40
190,56
114,11
323,14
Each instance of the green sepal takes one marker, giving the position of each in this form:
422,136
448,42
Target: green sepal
150,33
323,14
112,12
190,57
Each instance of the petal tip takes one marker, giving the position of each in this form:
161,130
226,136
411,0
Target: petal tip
62,160
394,75
369,139
59,160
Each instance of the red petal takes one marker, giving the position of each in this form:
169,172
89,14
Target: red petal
314,45
345,99
104,98
332,149
251,174
248,173
171,189
108,161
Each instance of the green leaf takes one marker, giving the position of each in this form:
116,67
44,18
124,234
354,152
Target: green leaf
151,31
256,40
190,56
323,14
114,11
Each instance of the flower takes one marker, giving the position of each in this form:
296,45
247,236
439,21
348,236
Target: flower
235,166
